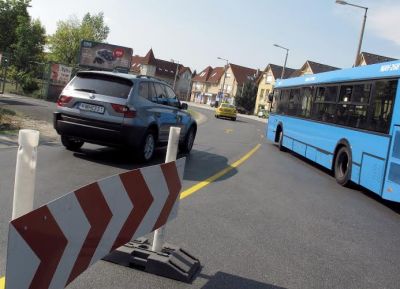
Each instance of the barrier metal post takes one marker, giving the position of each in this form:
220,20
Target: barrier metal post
25,173
172,151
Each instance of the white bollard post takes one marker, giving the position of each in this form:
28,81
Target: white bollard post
172,151
25,173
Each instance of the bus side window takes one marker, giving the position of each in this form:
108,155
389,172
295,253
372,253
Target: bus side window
382,105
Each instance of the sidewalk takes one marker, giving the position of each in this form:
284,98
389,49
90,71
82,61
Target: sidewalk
206,106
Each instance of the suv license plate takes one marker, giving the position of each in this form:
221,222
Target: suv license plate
91,107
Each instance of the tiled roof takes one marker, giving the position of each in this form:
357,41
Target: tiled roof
370,58
216,75
136,62
243,74
276,72
203,75
149,58
315,68
163,68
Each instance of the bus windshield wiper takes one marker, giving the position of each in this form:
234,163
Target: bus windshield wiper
85,89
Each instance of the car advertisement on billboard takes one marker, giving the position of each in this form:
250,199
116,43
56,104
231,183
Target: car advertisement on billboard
105,56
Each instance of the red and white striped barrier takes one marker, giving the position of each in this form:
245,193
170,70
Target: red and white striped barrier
50,246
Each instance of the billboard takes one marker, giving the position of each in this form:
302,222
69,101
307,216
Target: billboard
60,74
105,56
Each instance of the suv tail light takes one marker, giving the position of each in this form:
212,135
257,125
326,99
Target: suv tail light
128,113
63,100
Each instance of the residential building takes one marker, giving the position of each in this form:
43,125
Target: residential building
311,67
218,83
167,71
265,83
366,58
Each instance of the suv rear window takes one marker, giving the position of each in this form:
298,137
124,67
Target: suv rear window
101,84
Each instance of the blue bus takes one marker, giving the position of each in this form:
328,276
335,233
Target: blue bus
345,120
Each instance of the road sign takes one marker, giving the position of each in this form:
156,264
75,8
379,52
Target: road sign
52,245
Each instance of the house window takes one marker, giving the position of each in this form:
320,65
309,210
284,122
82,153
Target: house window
266,95
269,78
261,94
202,74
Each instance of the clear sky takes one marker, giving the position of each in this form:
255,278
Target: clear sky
195,33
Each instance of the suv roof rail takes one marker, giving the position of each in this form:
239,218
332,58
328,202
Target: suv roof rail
145,76
151,77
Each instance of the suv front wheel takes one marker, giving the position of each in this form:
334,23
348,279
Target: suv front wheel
187,145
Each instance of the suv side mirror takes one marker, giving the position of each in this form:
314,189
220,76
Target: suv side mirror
184,106
270,97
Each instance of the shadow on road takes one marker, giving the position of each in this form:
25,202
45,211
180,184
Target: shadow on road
223,280
17,102
200,165
391,205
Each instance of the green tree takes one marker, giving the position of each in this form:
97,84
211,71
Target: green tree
29,43
64,44
11,12
246,95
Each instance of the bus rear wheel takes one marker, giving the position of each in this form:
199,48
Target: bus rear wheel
280,141
342,166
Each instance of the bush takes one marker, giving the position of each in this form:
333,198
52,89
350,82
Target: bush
29,84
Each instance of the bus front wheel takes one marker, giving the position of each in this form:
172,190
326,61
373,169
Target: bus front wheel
342,166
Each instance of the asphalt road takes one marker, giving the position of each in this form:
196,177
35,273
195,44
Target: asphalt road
274,222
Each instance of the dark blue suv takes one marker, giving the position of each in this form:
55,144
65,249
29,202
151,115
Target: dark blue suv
121,110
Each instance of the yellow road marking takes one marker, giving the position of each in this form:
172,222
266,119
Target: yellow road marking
211,179
196,187
2,282
228,130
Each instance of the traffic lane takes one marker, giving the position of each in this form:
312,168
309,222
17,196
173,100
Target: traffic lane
285,222
37,109
279,222
61,171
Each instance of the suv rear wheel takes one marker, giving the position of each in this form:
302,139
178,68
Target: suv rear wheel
148,146
70,143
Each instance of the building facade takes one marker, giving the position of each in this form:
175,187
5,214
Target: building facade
168,71
220,83
266,82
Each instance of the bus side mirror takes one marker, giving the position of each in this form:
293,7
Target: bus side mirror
270,97
184,106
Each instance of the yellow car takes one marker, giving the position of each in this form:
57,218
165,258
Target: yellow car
226,110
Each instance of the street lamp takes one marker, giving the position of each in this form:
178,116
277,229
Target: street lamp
225,69
284,65
176,73
362,28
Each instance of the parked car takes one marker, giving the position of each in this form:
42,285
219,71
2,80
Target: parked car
226,110
121,110
242,110
214,103
103,55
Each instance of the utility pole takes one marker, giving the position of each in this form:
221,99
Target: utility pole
223,81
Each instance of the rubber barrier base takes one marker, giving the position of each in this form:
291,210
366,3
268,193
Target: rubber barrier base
172,262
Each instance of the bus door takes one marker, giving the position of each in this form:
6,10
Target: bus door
391,189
